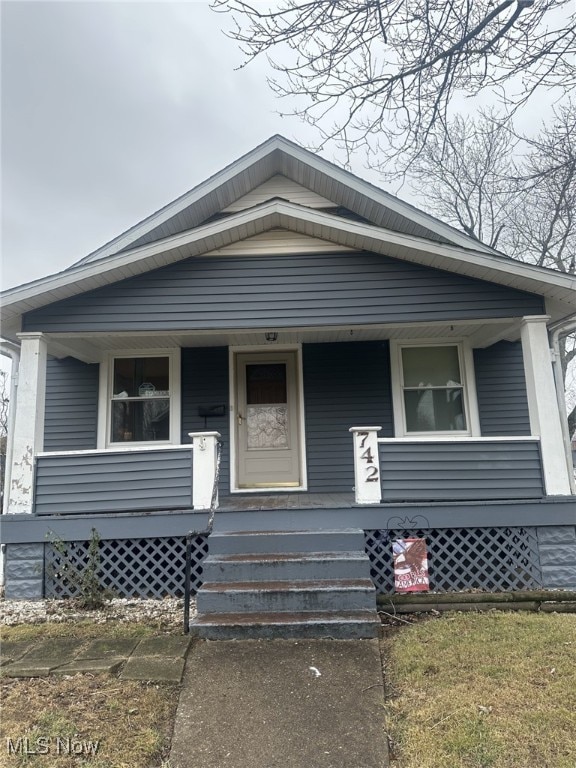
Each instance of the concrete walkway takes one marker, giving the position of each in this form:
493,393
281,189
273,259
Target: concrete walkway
243,704
281,704
160,659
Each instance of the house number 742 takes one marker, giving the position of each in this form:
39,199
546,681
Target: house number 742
372,474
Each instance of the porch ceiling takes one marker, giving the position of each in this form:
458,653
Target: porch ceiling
91,347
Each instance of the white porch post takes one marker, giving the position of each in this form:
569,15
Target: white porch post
28,437
366,465
204,455
543,405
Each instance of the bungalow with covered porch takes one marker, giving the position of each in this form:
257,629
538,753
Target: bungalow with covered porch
343,367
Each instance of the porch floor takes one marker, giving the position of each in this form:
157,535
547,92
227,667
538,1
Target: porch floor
260,502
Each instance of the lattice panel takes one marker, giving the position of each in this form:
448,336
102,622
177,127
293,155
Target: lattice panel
128,567
488,559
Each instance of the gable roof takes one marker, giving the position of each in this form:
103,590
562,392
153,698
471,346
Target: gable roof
197,223
279,156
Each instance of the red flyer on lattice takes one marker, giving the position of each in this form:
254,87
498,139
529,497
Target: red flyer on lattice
410,565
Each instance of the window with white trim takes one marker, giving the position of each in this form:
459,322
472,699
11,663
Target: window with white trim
140,399
431,394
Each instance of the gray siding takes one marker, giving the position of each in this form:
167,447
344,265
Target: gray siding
455,471
501,386
71,420
345,385
285,291
113,482
205,383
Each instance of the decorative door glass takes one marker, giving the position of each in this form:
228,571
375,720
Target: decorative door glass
267,406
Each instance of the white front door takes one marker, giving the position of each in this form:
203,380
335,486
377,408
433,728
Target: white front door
267,420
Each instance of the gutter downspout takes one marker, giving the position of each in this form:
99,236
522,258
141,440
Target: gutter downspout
11,350
562,328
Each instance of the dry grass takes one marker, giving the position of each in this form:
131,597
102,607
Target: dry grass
490,690
85,630
132,721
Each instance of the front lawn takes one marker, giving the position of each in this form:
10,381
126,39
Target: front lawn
483,690
62,715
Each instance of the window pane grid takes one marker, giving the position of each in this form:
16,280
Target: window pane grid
159,396
140,400
433,389
425,389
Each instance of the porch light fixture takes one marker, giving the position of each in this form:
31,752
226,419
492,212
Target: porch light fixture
271,336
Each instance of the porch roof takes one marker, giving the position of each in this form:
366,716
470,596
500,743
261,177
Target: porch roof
559,289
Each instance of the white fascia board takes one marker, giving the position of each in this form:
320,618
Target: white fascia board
383,198
315,162
452,255
278,213
172,209
108,268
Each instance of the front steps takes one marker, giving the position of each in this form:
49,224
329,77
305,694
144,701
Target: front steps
292,584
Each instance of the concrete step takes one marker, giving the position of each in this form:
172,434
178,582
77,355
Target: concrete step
270,542
348,625
286,566
278,596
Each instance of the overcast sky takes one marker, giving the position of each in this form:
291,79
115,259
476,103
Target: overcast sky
110,111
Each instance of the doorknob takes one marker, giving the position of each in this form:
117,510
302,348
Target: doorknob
240,419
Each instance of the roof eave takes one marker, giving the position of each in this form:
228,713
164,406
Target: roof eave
278,213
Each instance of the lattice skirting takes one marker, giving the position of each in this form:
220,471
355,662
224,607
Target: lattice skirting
487,559
128,567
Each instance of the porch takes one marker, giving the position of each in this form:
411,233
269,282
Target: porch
490,493
464,413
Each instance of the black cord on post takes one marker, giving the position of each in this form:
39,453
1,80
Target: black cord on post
187,570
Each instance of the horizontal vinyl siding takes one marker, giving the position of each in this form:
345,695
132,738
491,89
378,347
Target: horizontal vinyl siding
283,291
434,471
113,482
345,385
278,241
205,383
279,186
71,415
501,387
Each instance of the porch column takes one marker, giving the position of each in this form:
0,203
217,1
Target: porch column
543,405
28,437
367,486
204,464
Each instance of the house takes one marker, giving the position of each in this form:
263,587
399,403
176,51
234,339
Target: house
367,371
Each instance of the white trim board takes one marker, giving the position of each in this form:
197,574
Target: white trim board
105,388
466,361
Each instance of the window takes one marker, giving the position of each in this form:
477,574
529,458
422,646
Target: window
141,400
431,394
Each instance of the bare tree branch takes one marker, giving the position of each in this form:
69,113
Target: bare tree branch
513,191
382,74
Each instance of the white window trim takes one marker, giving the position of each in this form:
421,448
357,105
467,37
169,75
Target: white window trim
466,360
232,352
105,399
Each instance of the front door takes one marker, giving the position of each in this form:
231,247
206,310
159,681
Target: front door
267,420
